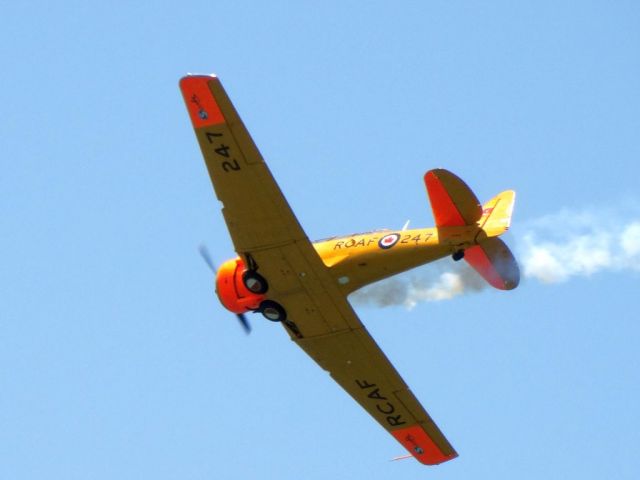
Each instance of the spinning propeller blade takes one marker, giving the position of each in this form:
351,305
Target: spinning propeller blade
204,253
244,322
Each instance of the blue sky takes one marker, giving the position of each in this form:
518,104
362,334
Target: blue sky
118,362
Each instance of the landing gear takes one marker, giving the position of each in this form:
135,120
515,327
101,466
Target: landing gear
457,256
255,282
273,311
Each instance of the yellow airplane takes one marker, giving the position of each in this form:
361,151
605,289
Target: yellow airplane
304,285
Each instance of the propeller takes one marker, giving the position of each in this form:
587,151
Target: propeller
204,253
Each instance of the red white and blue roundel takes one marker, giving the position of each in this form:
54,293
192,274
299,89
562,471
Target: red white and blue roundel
388,241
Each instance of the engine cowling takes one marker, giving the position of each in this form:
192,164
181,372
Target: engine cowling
231,291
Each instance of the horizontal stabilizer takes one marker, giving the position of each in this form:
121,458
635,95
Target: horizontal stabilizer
493,260
452,201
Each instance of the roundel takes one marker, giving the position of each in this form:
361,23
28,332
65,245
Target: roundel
388,241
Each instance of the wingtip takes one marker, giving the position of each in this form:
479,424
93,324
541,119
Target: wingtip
212,75
197,75
199,98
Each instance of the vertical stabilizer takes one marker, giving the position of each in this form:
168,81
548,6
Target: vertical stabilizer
496,213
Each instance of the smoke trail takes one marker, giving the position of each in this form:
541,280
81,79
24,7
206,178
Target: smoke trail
551,249
561,246
441,280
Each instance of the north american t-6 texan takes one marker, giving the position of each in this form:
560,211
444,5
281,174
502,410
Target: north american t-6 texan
304,285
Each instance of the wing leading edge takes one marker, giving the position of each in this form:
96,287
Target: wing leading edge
263,226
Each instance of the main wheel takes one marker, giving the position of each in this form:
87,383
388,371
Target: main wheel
255,282
457,256
273,311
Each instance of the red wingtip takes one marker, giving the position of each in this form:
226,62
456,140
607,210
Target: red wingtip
416,440
202,106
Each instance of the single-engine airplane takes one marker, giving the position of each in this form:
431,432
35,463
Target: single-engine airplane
304,285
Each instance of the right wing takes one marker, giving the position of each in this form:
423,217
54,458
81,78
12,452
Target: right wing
360,367
264,229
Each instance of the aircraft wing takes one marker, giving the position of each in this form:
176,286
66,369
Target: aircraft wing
265,231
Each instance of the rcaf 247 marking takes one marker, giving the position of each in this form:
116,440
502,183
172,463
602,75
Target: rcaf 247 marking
223,150
365,242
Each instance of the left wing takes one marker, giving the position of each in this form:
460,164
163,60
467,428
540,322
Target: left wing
264,230
262,226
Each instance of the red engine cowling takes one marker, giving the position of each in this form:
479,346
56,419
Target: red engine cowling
231,291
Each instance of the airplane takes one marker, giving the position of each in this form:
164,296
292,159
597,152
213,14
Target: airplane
304,286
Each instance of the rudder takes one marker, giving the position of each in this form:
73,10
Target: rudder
496,214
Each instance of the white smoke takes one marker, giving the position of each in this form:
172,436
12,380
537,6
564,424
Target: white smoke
441,280
550,249
555,248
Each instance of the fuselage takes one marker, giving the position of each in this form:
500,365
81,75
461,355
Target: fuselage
360,259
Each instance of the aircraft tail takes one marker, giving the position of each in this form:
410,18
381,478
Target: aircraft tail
455,205
496,214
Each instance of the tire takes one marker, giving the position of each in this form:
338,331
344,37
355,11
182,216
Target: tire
273,311
457,256
255,282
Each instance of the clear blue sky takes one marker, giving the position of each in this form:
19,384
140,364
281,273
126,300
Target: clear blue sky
116,360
